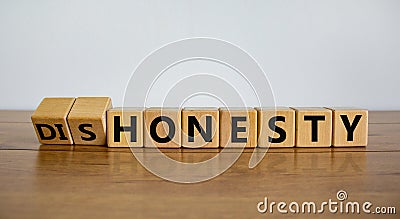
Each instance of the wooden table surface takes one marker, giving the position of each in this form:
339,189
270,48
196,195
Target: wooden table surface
51,181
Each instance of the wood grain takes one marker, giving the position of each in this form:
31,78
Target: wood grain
356,120
162,128
50,121
200,115
83,181
304,130
91,112
264,131
123,116
249,125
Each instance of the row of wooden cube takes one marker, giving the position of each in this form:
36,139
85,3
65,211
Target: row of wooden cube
93,121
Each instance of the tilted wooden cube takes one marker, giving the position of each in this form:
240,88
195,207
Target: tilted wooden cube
125,127
162,127
313,127
87,120
50,121
276,127
350,127
238,127
200,127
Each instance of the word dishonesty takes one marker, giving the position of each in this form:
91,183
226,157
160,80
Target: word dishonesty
93,121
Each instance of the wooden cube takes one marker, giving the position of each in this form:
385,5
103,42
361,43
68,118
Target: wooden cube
200,127
238,127
162,127
313,127
276,127
125,127
50,121
350,127
87,120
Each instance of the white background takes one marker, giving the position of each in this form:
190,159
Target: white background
315,53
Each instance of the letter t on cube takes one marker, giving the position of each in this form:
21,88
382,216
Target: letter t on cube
313,127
